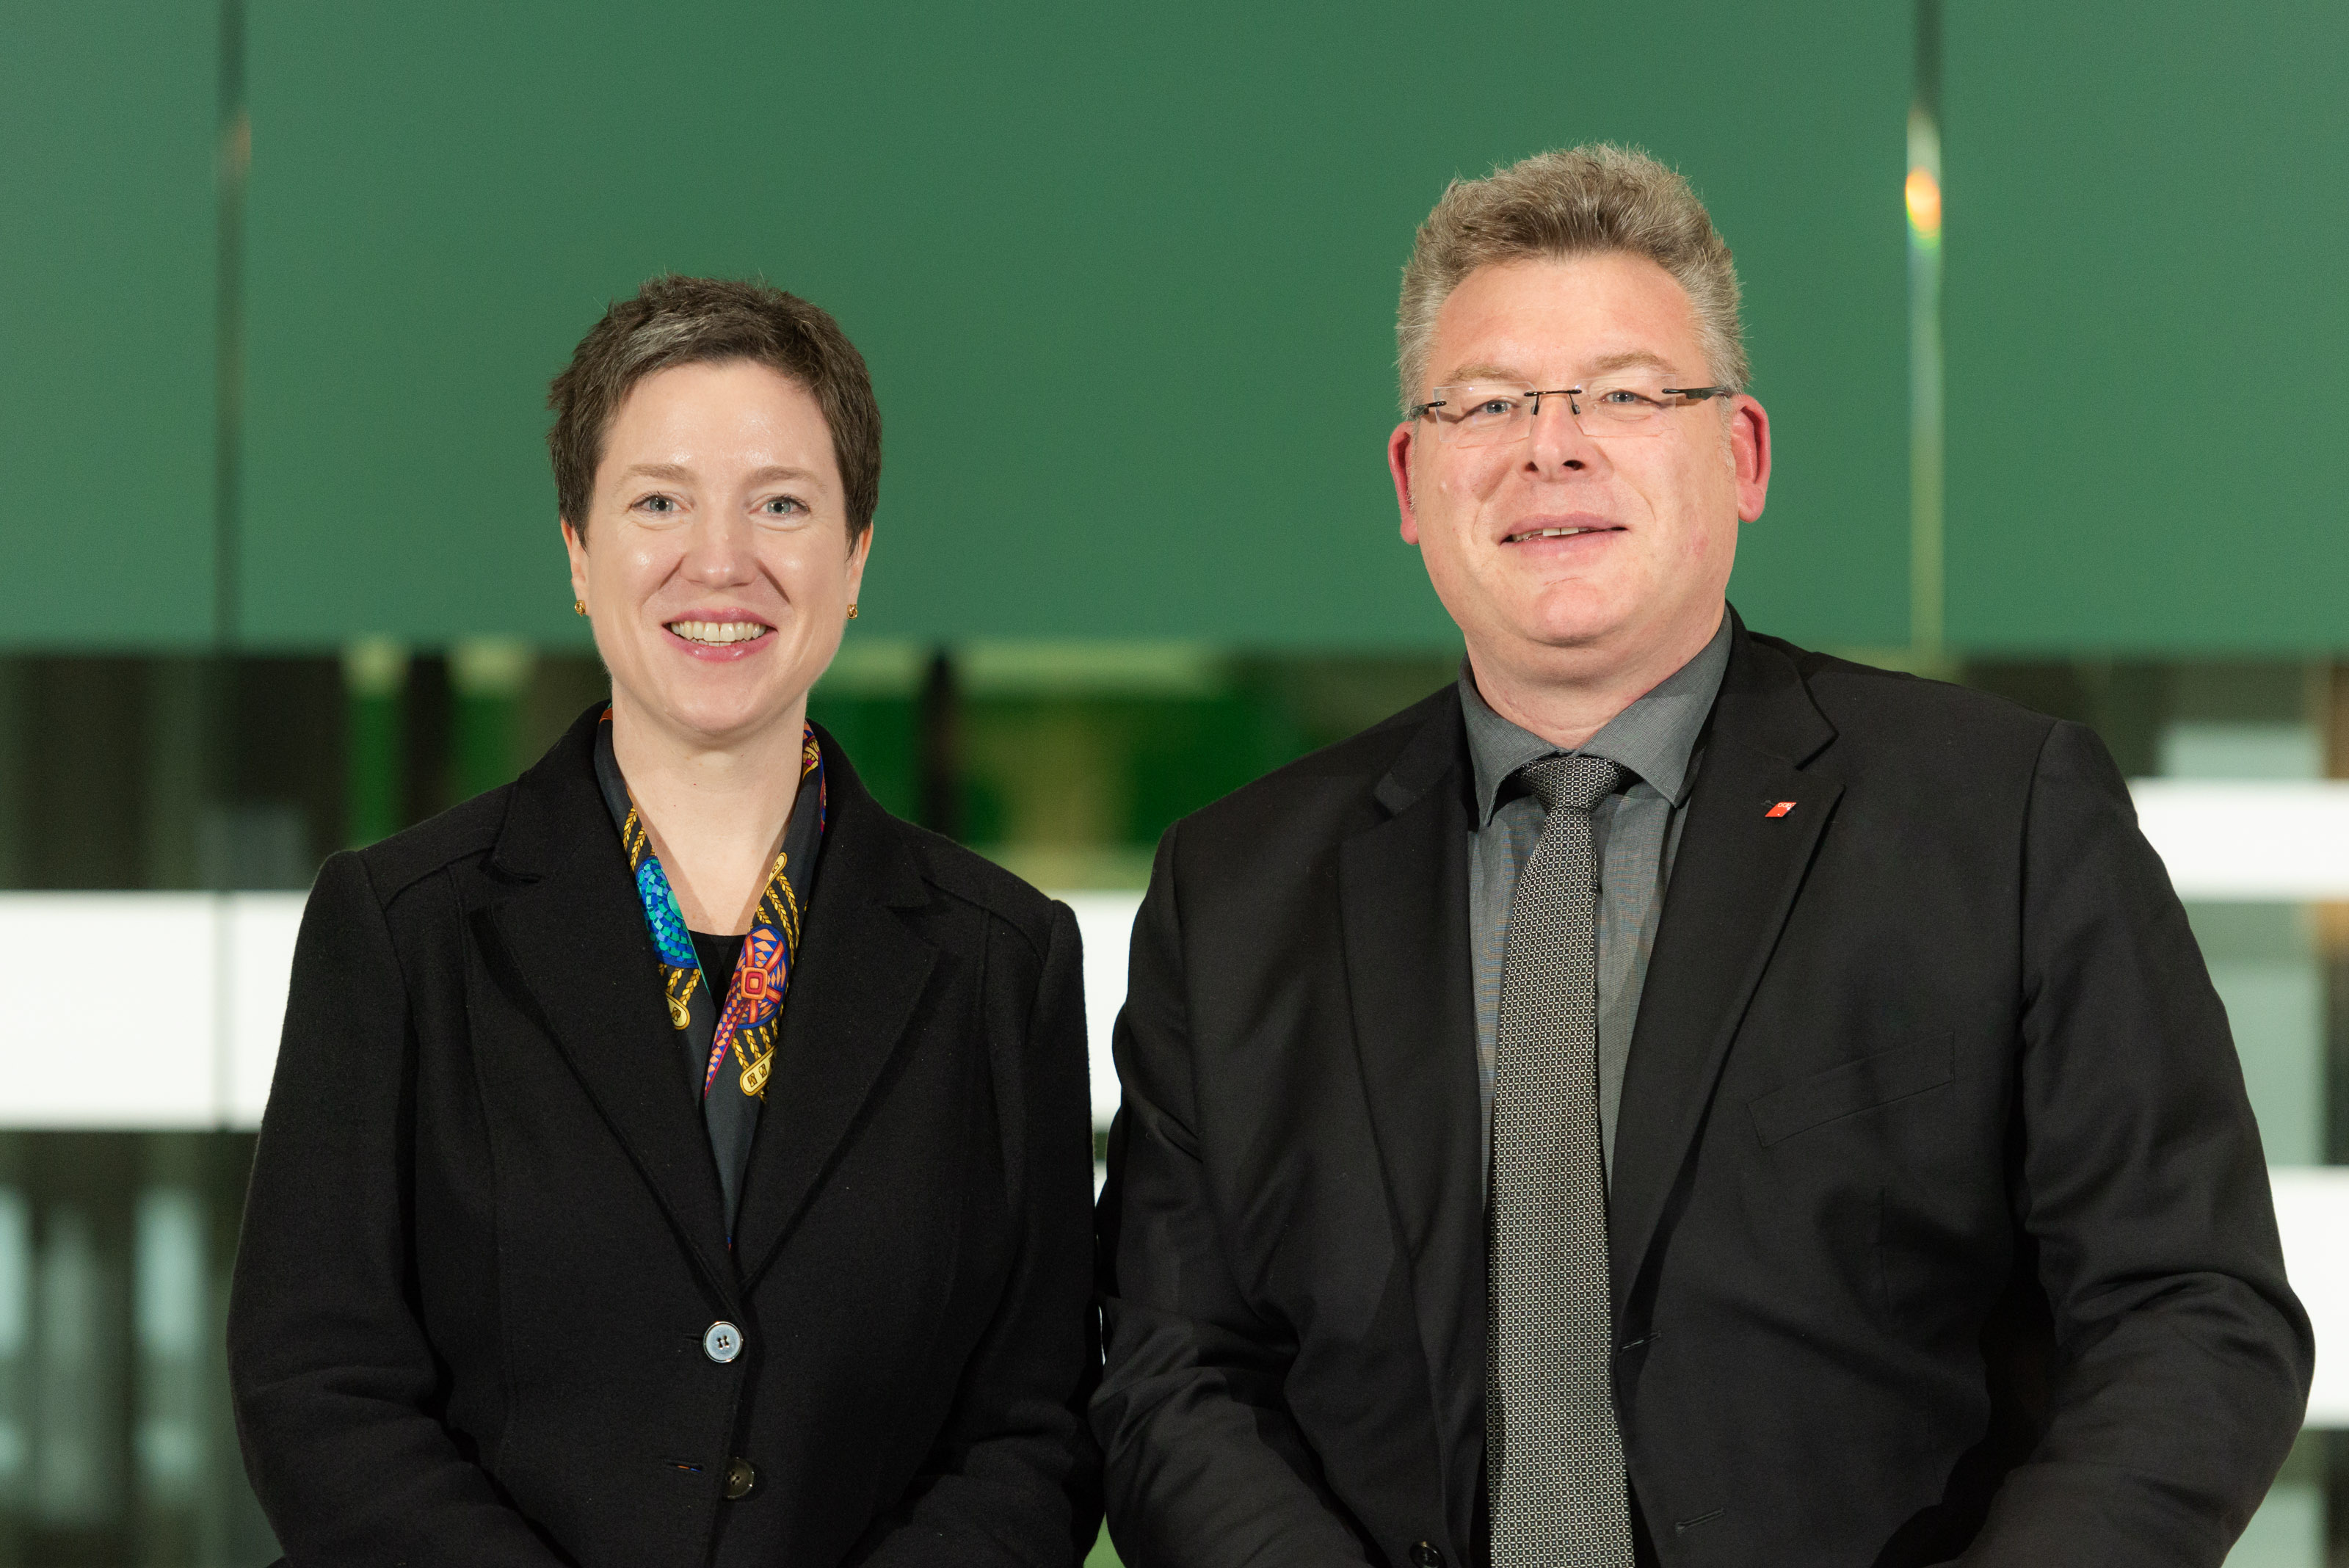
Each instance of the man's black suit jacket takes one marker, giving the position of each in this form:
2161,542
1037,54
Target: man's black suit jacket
484,1236
1938,1220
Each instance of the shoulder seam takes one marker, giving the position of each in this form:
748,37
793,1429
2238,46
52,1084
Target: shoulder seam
481,838
1000,916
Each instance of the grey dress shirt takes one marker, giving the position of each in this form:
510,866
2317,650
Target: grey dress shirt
1635,833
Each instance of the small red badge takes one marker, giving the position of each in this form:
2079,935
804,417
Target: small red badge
1781,809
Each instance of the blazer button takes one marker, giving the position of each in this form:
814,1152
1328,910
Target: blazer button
740,1478
721,1342
1426,1555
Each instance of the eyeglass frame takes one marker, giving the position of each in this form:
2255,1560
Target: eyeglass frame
1695,394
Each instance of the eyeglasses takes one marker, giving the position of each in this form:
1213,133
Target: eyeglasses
1494,414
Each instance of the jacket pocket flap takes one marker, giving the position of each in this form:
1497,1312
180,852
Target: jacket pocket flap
1853,1087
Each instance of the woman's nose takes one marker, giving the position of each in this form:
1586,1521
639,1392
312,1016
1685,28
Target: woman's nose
718,550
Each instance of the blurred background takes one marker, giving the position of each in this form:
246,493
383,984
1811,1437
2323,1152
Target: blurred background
2045,302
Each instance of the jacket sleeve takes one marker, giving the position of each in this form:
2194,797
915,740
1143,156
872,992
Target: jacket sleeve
1203,1462
2183,1358
332,1378
1014,1478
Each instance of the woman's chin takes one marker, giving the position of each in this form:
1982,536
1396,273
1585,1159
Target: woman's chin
722,713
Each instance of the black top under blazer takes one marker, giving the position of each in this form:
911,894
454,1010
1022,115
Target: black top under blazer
484,1238
1938,1218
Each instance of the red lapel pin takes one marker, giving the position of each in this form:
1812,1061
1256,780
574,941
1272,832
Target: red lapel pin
1781,809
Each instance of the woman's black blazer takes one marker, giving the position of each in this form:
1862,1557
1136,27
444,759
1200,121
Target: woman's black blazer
484,1240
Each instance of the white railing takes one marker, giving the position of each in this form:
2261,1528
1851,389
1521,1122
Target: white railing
130,1011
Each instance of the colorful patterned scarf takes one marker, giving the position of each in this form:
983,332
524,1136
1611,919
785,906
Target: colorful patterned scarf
747,1025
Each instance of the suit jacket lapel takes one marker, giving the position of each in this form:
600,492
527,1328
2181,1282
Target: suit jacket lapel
1734,881
574,936
1403,906
861,970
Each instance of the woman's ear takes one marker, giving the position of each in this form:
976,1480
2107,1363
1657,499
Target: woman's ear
858,554
576,548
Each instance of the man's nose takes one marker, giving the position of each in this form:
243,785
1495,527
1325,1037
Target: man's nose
1555,439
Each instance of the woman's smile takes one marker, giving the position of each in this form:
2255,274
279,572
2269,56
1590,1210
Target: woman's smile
719,637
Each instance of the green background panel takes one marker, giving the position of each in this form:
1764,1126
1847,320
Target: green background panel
2146,324
1125,279
110,117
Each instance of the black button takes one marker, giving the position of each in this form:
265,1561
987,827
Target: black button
1425,1555
740,1478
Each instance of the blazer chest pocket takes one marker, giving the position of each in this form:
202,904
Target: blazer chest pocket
1853,1086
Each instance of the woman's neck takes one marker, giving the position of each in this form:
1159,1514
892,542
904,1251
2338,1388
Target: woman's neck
715,813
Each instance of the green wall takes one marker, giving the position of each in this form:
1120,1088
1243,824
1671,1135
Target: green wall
1126,278
110,117
2146,326
1126,282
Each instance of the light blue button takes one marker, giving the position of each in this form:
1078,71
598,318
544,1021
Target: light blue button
721,1342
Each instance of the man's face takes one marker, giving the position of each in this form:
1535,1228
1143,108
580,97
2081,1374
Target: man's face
717,562
1564,553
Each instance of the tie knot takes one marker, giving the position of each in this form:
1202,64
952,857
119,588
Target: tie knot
1574,783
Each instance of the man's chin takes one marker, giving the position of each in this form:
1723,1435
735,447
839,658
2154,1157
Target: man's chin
1571,622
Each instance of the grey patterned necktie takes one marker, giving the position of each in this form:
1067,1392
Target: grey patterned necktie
1554,1458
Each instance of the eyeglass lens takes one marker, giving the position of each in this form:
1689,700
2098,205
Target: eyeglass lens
1485,414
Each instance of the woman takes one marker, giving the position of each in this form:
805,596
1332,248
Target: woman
673,1158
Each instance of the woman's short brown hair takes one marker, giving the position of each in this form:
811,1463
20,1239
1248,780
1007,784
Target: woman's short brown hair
678,320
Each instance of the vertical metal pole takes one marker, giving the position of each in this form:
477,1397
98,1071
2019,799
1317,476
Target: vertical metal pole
235,158
216,1472
216,837
374,690
489,678
941,749
1928,593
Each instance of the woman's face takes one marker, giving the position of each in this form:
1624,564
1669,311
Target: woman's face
716,562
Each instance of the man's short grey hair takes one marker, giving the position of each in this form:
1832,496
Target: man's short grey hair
1582,201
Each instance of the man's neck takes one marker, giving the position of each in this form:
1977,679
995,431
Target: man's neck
715,813
1566,701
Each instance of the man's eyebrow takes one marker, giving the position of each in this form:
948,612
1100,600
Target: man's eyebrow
1485,372
1627,359
1624,359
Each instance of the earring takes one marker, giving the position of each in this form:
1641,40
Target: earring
852,612
578,607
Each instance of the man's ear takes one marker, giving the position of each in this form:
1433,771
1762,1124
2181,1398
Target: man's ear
1399,455
1749,450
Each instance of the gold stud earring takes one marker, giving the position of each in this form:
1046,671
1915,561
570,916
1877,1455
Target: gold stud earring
852,611
578,607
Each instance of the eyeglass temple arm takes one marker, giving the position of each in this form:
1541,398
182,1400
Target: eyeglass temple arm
1422,410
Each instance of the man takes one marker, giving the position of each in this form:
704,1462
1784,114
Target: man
1670,1097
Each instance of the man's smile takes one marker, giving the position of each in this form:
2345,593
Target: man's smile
1570,525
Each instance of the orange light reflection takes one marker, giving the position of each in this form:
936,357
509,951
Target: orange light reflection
1924,193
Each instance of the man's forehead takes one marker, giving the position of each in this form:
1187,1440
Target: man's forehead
1529,367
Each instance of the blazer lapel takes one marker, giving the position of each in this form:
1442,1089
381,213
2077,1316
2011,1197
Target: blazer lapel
862,971
1403,906
1735,878
574,936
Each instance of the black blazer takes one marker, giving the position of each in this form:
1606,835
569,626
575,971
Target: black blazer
1938,1213
484,1236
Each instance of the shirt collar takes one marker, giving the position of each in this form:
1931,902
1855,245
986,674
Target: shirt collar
1653,738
